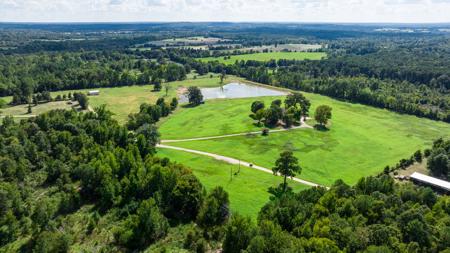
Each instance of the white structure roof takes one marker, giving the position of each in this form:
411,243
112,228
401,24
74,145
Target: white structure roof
431,180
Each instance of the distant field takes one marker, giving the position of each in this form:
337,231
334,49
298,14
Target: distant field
268,57
121,100
362,140
21,111
247,191
283,47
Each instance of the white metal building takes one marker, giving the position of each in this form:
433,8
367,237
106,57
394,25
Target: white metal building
431,181
93,92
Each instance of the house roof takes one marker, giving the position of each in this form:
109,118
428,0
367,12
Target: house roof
431,180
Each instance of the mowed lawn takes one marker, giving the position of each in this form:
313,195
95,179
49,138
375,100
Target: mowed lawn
215,117
247,190
361,141
267,57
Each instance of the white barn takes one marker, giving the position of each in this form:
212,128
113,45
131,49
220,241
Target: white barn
93,93
430,181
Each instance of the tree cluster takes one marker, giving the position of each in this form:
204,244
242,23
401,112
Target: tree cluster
438,162
375,215
296,106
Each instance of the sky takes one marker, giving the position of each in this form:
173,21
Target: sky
354,11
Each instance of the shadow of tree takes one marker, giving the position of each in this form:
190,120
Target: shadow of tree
320,127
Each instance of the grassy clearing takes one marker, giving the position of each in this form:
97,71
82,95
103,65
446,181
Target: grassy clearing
361,141
21,111
247,191
125,100
268,57
120,100
215,117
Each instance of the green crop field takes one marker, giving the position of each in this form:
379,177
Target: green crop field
268,57
362,140
247,190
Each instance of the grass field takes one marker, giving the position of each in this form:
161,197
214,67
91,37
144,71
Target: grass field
21,111
362,140
247,191
121,100
216,117
268,56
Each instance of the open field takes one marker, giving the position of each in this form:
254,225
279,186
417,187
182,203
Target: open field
121,100
247,191
362,140
268,57
215,117
283,47
21,111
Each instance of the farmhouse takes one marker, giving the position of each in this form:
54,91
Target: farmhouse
435,183
93,93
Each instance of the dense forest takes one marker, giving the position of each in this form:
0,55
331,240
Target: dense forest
375,215
54,164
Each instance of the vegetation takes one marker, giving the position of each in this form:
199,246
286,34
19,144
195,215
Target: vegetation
246,187
322,114
287,166
375,215
194,95
267,57
296,107
362,140
77,180
438,162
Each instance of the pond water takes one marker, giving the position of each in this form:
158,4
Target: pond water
236,90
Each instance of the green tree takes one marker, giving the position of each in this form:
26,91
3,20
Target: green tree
259,116
215,209
195,95
322,114
174,104
256,106
273,115
438,163
287,166
418,156
238,234
157,84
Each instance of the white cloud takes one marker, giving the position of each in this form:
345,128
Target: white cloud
227,10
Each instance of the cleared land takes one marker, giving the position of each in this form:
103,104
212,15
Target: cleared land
216,117
21,111
247,190
283,47
361,141
268,57
121,100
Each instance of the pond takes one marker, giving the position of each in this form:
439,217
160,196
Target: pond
236,90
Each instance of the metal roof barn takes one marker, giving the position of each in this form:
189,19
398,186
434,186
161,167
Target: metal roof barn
435,182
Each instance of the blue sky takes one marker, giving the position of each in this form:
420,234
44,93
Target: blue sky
403,11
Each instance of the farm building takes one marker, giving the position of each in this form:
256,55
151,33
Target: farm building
93,92
436,183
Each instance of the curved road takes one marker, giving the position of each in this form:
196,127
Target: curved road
236,161
302,125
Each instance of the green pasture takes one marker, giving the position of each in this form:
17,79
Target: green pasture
121,100
267,57
247,190
361,140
